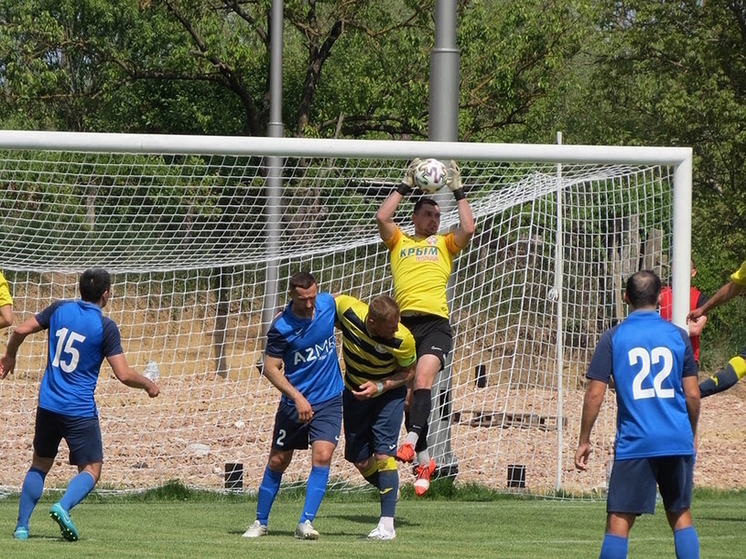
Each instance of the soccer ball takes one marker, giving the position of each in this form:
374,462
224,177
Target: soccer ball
430,176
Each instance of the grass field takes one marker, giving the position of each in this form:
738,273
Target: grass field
178,523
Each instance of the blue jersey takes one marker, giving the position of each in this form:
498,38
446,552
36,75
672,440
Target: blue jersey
79,339
648,357
308,351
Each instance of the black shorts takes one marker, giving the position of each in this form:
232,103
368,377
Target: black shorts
432,334
82,434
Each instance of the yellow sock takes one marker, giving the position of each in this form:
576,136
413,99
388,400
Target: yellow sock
739,366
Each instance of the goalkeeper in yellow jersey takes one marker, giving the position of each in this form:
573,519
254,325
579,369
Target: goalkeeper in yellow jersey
736,367
421,265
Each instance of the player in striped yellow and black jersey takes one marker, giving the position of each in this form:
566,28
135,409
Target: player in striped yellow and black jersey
735,369
371,357
421,265
379,358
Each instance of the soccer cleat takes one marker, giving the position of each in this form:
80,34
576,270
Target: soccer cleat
423,473
378,533
21,533
405,453
305,531
255,530
61,517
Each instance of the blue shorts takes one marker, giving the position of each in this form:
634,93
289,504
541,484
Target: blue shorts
82,434
432,335
325,425
632,486
372,426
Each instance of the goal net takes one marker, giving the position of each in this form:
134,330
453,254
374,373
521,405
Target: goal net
201,234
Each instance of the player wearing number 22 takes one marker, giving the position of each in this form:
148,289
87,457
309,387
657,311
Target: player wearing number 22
80,337
658,401
301,362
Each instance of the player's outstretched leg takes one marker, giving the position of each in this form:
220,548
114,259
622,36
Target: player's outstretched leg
726,377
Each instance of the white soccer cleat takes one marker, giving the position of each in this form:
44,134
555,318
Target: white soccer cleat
305,531
255,530
378,533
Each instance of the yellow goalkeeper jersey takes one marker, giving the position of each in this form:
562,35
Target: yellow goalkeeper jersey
5,298
367,358
739,276
421,269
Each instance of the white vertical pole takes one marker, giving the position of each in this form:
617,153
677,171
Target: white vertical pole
558,287
682,240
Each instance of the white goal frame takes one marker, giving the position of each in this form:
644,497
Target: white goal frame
277,149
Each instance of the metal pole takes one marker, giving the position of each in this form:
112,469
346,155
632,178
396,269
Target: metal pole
558,288
445,60
275,129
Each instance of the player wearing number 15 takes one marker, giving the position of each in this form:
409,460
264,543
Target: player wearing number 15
657,397
80,337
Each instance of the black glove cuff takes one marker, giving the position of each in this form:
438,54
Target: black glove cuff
458,194
403,189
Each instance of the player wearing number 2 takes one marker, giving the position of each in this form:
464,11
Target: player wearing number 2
80,337
301,362
421,265
657,397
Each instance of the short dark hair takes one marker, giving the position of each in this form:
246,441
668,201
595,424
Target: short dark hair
424,201
93,283
643,288
304,280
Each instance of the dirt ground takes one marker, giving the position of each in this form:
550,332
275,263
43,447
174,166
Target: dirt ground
198,426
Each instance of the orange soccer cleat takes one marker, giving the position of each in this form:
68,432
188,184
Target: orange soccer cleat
423,474
405,453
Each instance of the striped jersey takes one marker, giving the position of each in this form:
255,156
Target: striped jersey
369,358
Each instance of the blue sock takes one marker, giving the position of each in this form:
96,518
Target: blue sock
267,492
388,484
33,486
315,489
77,490
613,547
686,543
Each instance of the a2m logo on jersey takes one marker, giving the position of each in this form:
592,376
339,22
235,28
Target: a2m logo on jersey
66,355
644,359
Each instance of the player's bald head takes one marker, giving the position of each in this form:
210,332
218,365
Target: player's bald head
643,289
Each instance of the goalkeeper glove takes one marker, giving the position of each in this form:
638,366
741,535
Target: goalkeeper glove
407,183
454,181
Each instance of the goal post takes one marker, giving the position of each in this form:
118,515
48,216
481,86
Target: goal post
202,233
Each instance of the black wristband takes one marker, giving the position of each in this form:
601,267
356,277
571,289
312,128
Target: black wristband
458,194
403,189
